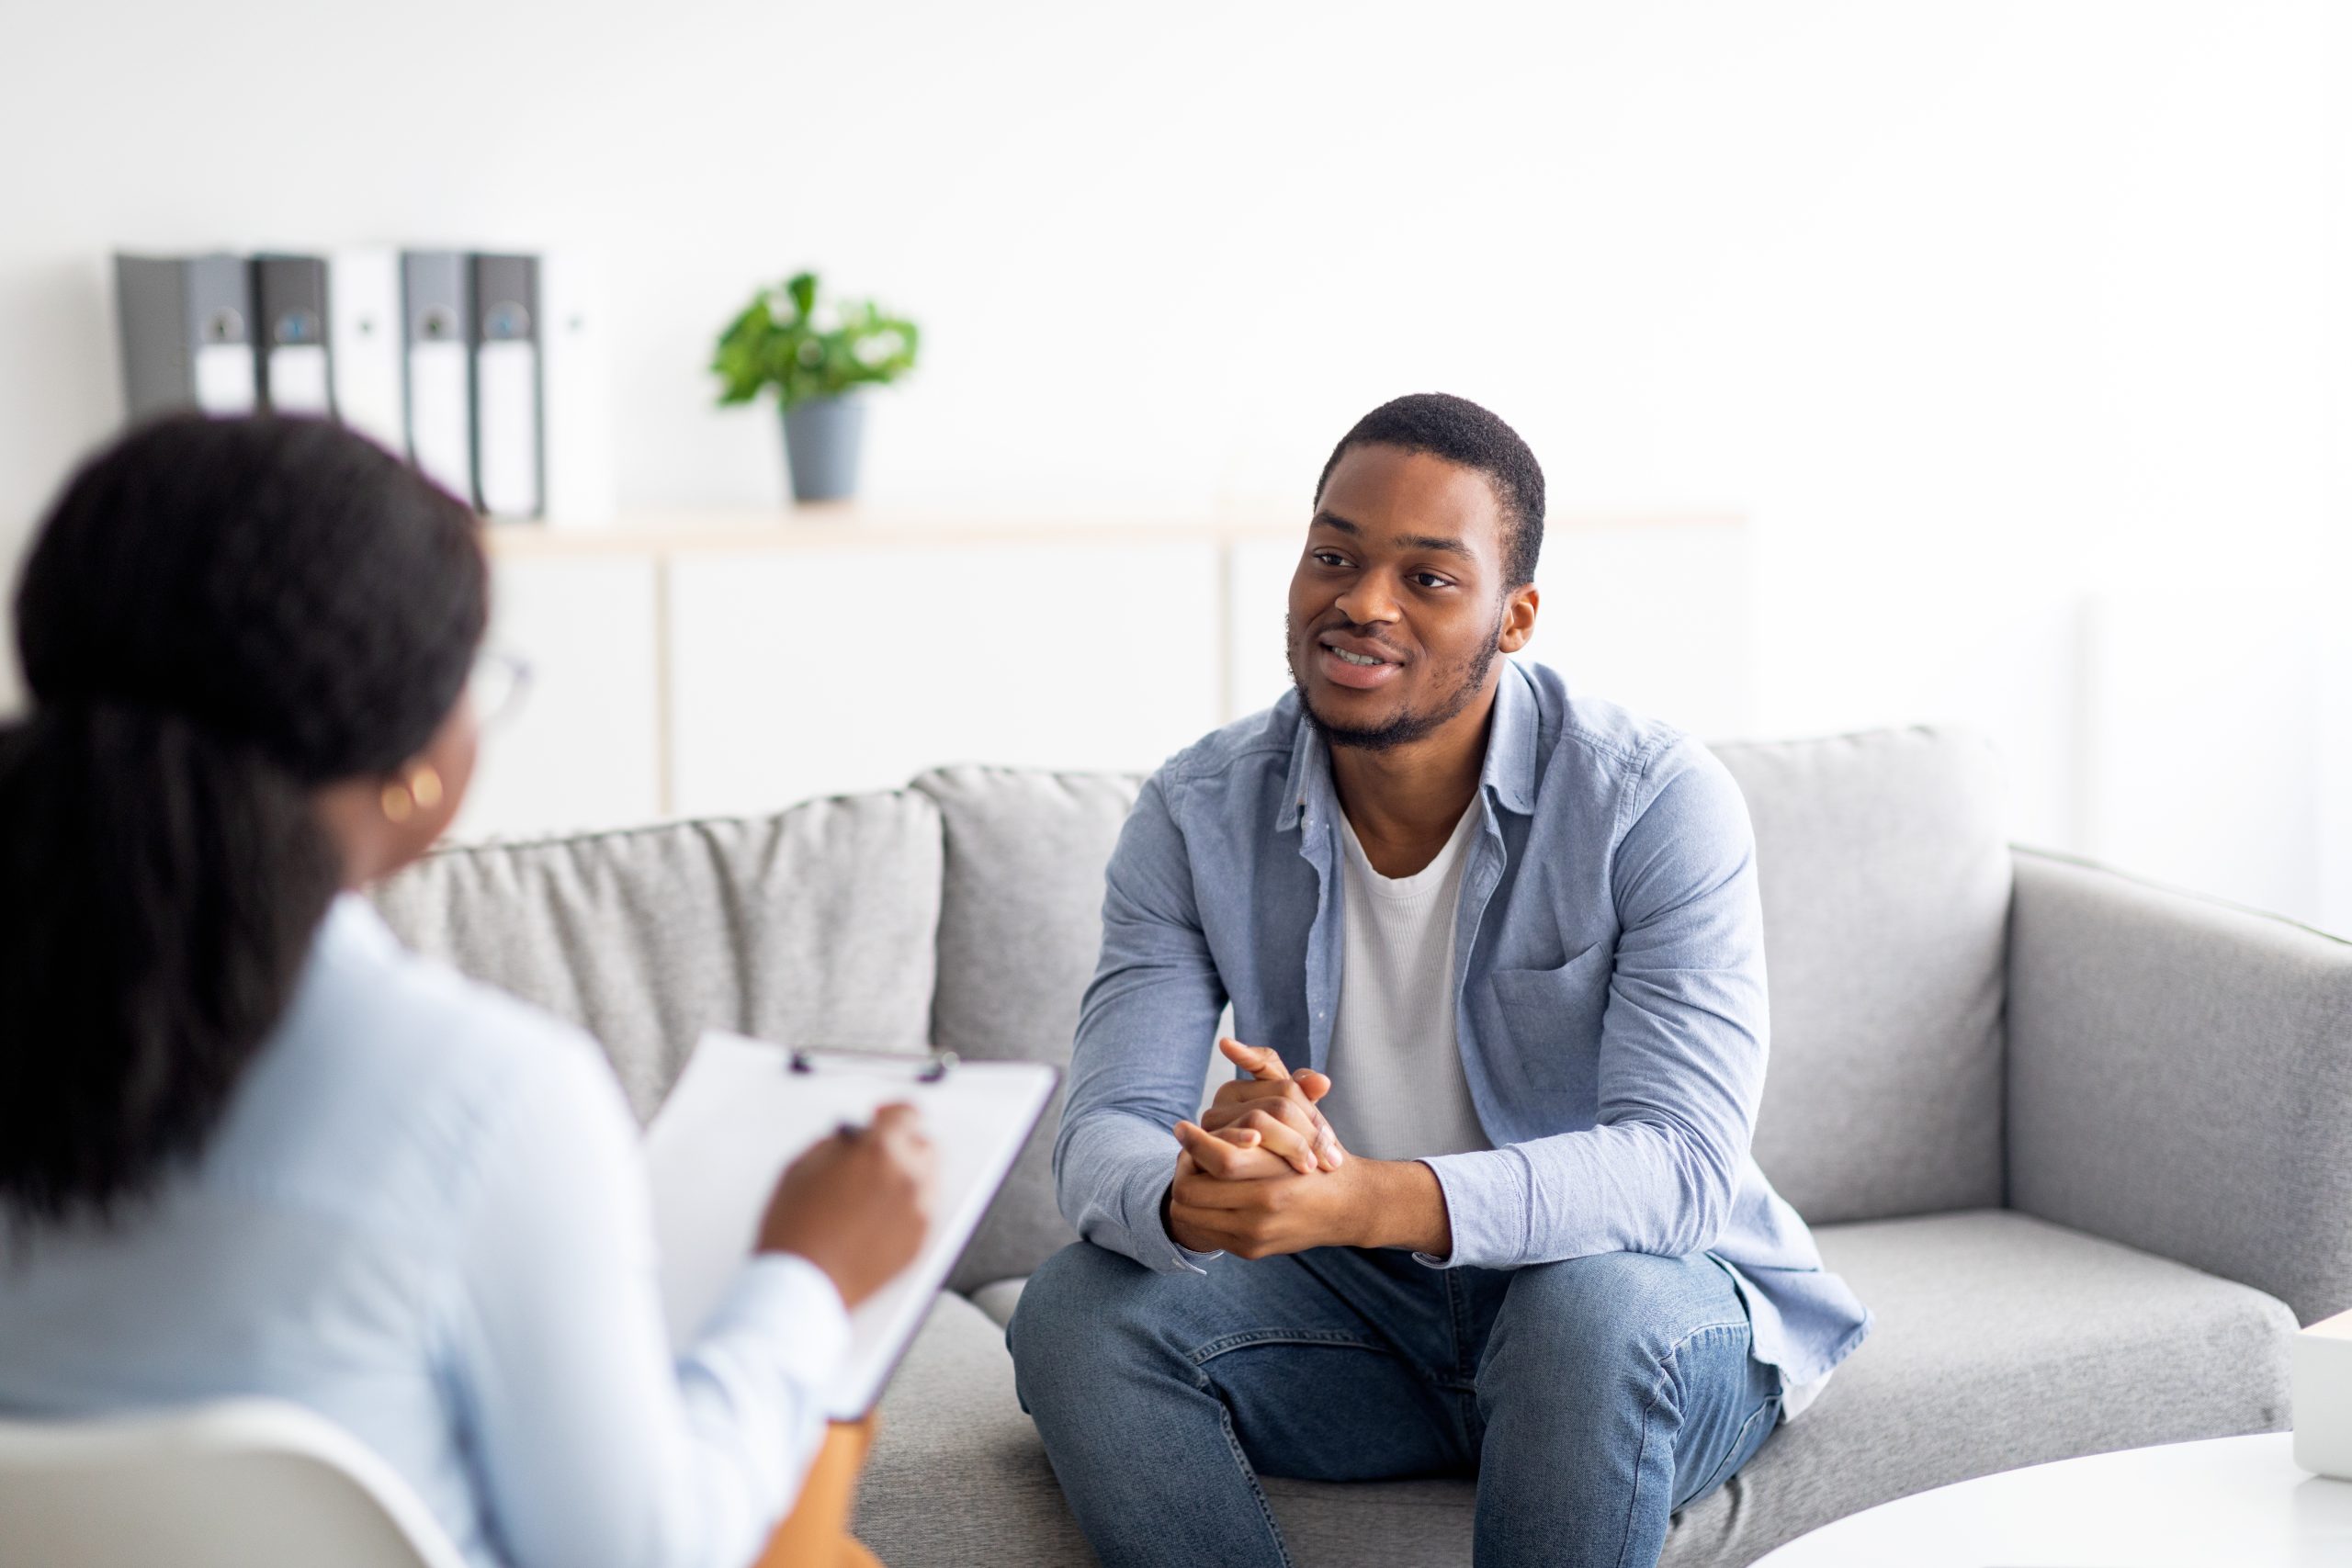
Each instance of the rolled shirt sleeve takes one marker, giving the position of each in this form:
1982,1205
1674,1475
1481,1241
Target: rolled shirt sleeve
1144,1031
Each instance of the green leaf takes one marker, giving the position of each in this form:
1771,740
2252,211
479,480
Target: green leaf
772,342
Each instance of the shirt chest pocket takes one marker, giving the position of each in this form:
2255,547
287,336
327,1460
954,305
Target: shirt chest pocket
1552,1014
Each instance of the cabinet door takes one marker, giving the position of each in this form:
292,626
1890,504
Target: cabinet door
579,750
827,671
1655,616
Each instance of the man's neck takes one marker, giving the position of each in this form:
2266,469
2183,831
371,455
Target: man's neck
1405,802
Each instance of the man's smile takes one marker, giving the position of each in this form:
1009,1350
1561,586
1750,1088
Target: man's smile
1355,661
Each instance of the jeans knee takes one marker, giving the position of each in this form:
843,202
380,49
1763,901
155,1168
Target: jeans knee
1073,1316
1608,1317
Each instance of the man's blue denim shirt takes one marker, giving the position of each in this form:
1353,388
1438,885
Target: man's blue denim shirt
1609,961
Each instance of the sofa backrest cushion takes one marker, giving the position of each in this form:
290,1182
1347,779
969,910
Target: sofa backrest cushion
1885,879
1020,927
814,927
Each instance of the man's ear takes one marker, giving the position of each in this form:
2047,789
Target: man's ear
1519,617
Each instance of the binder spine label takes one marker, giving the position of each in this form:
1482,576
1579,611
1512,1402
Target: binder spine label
507,405
298,379
438,417
224,377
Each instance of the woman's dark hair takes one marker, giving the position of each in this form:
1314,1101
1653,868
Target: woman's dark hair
217,618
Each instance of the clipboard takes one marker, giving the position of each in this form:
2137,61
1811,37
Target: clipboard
744,1110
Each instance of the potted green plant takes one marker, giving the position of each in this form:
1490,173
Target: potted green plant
818,354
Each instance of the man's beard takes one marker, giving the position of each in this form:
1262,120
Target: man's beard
1407,727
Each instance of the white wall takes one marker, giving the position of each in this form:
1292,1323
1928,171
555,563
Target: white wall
1973,308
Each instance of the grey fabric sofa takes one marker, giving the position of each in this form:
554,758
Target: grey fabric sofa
2084,1146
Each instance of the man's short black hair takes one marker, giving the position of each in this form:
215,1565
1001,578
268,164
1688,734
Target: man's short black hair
1459,431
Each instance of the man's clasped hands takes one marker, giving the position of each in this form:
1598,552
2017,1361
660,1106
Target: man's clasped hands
1262,1173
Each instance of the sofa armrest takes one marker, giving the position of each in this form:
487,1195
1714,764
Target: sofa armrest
2180,1079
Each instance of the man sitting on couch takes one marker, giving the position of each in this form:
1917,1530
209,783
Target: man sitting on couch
1504,1219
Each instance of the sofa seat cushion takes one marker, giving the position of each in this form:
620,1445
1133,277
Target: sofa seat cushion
957,1476
999,1299
813,927
2001,1341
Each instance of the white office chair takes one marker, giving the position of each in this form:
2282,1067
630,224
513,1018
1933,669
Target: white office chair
241,1484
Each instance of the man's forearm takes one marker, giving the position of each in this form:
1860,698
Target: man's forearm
1400,1203
1106,1165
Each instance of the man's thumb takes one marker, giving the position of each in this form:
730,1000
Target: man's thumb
1314,1083
1262,1061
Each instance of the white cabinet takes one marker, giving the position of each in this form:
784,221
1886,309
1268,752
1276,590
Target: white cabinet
812,672
581,748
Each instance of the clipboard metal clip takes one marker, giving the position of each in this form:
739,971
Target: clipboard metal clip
933,1068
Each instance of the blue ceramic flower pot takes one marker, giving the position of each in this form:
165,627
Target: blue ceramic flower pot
820,443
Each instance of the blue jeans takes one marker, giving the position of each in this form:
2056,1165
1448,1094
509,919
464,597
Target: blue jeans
1590,1398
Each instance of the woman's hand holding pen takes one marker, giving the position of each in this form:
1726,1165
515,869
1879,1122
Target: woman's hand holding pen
857,1204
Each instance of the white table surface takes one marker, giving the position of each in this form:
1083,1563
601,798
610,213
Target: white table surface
2231,1503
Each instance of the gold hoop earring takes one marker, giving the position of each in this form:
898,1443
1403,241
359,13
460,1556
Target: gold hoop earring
420,790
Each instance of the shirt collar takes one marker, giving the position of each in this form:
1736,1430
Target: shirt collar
1310,769
1509,770
1511,741
354,929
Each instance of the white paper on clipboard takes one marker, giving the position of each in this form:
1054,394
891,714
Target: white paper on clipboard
741,1112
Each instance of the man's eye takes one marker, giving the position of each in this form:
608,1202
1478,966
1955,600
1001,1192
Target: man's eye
1327,557
1431,579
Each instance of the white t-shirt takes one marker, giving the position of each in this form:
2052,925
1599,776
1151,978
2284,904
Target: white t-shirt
1397,1087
